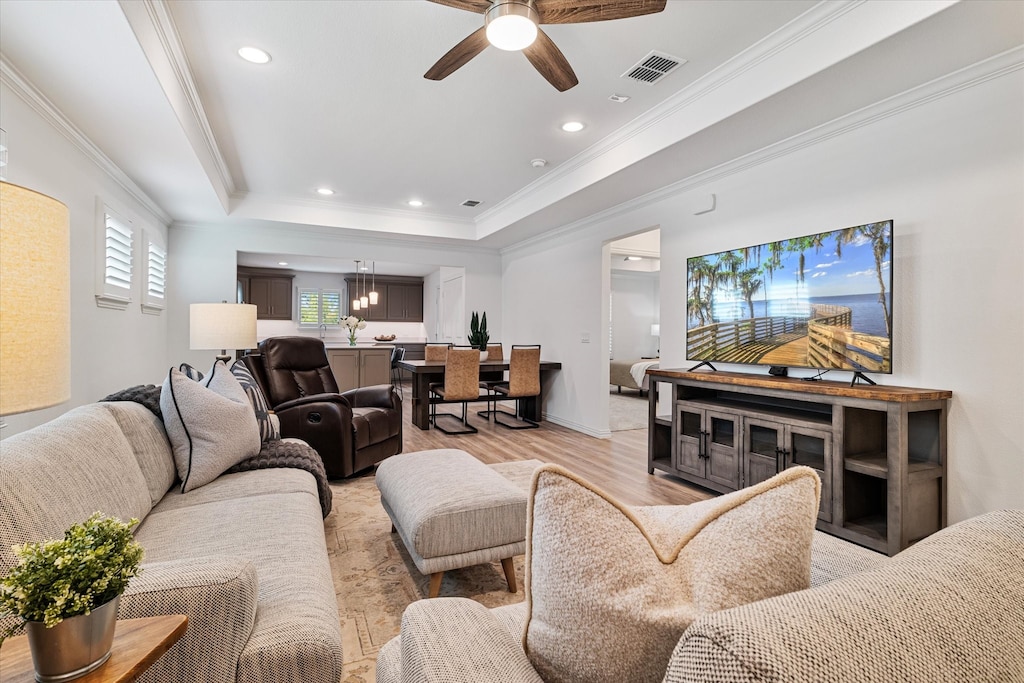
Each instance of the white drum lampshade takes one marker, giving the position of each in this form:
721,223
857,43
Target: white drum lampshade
35,289
222,326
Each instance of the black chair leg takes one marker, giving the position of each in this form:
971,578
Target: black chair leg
518,421
469,429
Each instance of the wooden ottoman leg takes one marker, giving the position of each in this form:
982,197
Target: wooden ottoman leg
435,584
510,573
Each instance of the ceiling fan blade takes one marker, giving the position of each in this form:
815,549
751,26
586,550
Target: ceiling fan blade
550,62
457,57
581,11
478,6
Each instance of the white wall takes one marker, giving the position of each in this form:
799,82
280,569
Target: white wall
110,349
634,310
950,172
203,261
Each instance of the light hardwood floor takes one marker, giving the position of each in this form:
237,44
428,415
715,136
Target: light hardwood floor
618,465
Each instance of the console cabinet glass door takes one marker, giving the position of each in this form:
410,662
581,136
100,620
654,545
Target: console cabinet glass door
708,444
769,447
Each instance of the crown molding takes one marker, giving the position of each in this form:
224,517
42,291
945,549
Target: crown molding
720,93
39,103
334,214
303,203
328,232
1000,65
154,29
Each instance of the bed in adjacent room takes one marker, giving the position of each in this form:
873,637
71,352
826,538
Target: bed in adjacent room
631,373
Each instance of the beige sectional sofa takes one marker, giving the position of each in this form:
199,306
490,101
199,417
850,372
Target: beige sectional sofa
243,556
949,608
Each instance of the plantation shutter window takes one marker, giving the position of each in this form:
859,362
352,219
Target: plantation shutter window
116,266
330,307
309,307
319,307
154,295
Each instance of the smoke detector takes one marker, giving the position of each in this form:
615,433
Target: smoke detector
539,163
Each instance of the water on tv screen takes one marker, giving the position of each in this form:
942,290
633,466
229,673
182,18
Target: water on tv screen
820,301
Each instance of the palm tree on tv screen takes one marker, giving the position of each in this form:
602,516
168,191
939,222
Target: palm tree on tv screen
879,236
748,283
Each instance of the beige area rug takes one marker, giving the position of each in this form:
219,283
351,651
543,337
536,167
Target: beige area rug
375,579
626,411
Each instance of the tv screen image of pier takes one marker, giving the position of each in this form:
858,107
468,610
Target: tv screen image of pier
818,301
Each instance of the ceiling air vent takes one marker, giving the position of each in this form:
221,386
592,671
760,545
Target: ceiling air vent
653,67
471,203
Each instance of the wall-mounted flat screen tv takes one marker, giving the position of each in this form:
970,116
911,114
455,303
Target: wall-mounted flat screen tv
821,301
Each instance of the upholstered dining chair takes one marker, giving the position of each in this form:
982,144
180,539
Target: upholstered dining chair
492,377
435,352
523,382
461,384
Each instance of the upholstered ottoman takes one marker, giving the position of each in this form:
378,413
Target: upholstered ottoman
453,511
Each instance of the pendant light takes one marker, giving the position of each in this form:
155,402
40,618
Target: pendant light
373,287
355,302
364,301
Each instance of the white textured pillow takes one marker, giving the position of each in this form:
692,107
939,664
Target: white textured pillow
211,425
610,588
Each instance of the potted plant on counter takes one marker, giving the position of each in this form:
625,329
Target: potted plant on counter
66,592
478,336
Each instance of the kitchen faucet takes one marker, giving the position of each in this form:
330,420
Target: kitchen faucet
323,330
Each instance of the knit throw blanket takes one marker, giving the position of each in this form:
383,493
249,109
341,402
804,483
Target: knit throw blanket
283,453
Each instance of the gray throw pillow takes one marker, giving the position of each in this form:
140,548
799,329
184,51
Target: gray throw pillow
270,426
211,428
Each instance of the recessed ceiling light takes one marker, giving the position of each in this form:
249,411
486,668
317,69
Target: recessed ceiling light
282,263
539,163
572,126
254,55
415,202
634,258
325,191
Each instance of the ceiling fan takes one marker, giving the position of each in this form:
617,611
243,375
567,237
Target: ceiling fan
514,25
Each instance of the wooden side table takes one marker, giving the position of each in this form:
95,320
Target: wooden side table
137,644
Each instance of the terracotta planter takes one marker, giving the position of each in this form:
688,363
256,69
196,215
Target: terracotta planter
75,646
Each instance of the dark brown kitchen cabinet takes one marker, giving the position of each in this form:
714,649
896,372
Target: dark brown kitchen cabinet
271,293
399,299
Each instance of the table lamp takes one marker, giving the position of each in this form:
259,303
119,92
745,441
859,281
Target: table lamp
222,326
35,288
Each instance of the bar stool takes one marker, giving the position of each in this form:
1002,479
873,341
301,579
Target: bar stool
397,356
461,384
523,382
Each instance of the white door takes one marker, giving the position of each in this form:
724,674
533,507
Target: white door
453,311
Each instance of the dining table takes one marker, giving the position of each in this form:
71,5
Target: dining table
426,372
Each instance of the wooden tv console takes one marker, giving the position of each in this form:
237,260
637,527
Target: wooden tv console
880,451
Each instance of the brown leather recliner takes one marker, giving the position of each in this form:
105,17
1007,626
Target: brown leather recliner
351,431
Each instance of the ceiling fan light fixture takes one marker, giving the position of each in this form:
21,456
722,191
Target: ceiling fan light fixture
512,25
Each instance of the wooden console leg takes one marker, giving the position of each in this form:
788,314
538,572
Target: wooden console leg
510,573
435,584
393,529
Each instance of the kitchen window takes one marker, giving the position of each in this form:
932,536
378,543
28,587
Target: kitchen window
319,307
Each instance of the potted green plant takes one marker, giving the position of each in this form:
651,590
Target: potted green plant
66,593
478,336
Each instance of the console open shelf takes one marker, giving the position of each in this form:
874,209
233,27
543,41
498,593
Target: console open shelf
880,451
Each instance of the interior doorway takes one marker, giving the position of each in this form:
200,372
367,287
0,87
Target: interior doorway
633,326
